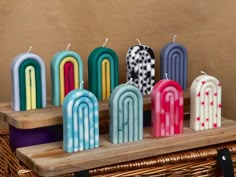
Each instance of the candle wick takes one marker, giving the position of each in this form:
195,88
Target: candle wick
166,76
139,41
174,38
68,46
29,49
105,42
81,84
130,81
202,72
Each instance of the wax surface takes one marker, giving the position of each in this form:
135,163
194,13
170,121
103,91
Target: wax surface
167,108
97,75
174,62
140,66
205,105
60,67
28,82
80,121
126,114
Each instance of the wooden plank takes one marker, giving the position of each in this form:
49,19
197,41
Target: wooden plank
51,160
53,115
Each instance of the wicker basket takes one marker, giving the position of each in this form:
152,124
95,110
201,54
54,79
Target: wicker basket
198,162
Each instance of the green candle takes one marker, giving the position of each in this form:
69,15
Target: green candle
103,70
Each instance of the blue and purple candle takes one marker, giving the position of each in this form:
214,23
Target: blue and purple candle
174,62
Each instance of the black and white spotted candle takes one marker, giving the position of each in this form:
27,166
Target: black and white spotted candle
140,64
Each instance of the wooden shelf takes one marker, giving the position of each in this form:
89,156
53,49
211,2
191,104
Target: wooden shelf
53,115
51,160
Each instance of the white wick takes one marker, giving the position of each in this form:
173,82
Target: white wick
174,38
202,72
130,81
139,41
105,42
67,48
29,49
166,76
81,84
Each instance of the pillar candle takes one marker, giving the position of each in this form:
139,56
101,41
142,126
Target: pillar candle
174,61
66,74
103,72
140,66
126,114
80,121
28,82
205,106
167,108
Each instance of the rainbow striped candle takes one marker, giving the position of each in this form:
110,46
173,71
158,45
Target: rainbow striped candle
28,82
126,114
205,106
174,61
66,74
103,72
80,121
167,108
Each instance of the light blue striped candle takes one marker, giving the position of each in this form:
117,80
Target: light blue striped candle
80,107
126,114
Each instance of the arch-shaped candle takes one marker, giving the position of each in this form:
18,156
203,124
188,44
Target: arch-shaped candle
28,81
205,106
80,121
140,66
167,108
66,74
103,72
174,61
126,114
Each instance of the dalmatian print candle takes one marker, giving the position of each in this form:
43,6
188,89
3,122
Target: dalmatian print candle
174,61
140,66
66,74
80,121
28,82
167,108
205,107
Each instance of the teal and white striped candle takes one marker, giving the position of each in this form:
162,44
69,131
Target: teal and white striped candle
126,114
80,121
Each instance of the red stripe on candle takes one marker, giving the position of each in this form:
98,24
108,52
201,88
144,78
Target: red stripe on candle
69,77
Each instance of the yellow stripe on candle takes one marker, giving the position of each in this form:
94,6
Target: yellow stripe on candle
105,79
76,75
30,88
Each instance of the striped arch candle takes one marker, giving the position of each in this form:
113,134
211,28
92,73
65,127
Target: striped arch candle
167,108
103,72
66,74
140,66
174,61
80,121
205,106
28,82
126,114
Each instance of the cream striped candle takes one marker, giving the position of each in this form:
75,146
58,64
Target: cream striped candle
205,96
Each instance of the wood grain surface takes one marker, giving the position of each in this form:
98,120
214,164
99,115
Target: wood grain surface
50,159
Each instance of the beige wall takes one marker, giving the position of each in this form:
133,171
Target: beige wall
206,27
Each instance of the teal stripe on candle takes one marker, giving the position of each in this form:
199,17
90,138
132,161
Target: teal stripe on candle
128,115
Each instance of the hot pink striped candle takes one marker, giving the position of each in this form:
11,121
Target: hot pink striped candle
167,108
